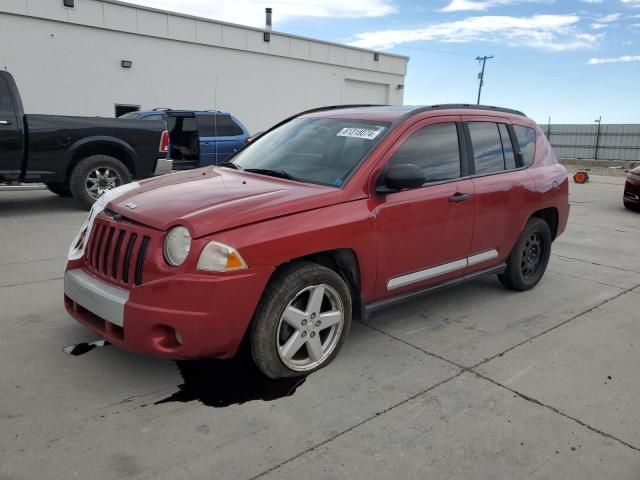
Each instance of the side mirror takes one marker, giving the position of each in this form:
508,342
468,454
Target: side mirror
401,176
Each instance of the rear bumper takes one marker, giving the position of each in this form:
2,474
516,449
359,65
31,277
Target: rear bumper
181,317
163,165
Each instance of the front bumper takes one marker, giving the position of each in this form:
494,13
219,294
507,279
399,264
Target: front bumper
163,165
632,192
181,317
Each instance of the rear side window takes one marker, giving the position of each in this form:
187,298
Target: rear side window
507,147
487,147
227,127
206,125
527,139
435,150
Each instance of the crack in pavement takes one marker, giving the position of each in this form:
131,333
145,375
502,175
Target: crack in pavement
357,425
555,410
550,329
31,282
472,370
584,279
594,263
21,262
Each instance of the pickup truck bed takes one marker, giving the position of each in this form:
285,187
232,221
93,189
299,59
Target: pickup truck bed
79,156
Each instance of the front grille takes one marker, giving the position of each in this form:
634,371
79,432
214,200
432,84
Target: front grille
117,250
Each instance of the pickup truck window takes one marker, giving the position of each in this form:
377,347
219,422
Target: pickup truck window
435,150
316,150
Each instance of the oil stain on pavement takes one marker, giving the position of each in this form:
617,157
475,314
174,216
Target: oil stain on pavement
84,347
220,383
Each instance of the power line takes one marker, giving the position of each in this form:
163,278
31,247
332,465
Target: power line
483,60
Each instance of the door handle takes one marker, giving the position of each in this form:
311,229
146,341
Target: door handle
459,197
5,122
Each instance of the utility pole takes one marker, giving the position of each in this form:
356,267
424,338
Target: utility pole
599,122
482,60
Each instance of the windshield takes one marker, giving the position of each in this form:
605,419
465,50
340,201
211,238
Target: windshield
133,115
317,150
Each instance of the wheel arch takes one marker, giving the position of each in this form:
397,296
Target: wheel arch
551,216
343,261
112,147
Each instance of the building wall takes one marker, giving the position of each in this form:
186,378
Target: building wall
69,62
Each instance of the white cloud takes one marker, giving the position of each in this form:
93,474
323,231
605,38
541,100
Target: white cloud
550,32
633,3
592,1
251,12
482,5
598,26
622,59
610,18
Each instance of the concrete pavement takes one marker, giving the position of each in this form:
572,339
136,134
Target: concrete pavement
471,382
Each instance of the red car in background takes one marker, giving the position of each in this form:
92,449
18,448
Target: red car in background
631,196
335,212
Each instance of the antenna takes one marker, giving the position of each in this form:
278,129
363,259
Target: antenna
215,116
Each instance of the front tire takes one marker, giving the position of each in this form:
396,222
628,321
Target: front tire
301,322
96,174
529,258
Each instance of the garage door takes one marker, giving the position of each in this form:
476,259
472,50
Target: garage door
357,91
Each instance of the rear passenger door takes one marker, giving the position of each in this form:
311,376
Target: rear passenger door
504,191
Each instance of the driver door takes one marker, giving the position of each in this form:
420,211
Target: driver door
424,234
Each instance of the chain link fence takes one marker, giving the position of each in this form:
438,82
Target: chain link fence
595,142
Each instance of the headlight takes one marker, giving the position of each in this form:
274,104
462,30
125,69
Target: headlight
218,257
177,246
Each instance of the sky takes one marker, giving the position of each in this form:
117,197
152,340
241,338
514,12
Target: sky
570,60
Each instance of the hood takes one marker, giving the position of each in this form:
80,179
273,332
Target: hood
636,170
211,200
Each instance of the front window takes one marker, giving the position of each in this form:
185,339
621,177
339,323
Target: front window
316,150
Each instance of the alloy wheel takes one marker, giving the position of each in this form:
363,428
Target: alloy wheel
310,327
100,180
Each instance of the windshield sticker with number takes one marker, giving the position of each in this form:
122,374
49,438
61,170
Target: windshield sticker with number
367,133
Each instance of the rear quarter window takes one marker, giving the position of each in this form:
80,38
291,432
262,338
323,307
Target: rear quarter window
527,140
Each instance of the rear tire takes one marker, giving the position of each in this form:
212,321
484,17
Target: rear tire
94,175
529,258
60,189
301,322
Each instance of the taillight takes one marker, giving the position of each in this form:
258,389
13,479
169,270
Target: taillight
164,141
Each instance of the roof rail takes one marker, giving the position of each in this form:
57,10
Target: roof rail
461,106
161,109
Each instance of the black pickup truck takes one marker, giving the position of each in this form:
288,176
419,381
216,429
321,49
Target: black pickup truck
76,156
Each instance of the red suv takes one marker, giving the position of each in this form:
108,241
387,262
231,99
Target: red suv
335,211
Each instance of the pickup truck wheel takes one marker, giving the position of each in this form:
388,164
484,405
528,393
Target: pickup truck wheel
529,258
301,322
96,174
60,189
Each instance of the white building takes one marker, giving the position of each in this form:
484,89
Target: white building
73,61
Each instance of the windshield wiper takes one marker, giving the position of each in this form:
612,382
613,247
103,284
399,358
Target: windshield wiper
271,172
230,165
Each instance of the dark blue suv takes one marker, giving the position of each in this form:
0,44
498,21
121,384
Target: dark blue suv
198,138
